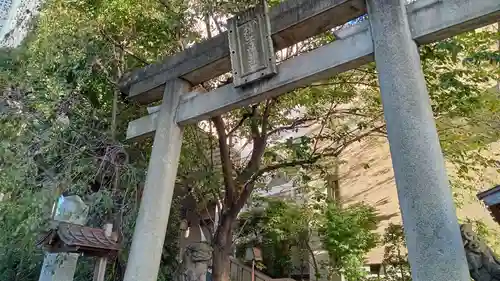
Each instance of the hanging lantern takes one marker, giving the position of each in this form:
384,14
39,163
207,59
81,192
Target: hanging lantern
253,254
183,225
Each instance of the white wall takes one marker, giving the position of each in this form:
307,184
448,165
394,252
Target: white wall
16,20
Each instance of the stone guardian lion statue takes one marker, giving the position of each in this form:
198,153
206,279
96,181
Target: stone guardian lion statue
195,261
483,265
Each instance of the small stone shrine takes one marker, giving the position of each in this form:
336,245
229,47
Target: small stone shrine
65,237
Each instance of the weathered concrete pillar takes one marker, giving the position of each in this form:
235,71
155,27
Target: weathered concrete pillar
62,266
151,226
435,247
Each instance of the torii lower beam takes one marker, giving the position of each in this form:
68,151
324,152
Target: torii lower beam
431,228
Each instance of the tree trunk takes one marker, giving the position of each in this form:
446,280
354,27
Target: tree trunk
498,31
317,274
220,265
222,250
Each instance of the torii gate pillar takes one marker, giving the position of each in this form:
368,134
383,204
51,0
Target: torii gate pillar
151,226
433,237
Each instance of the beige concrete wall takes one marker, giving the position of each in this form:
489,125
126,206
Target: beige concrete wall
368,177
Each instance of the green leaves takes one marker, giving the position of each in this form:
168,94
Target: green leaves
395,261
67,69
459,69
348,234
275,225
277,229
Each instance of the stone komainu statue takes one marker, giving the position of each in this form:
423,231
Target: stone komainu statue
195,261
483,265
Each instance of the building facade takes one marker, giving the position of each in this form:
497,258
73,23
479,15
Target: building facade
15,20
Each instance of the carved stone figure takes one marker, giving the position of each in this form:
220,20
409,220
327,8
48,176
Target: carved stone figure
195,261
483,265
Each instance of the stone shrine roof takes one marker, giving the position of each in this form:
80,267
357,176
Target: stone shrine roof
491,199
73,238
488,196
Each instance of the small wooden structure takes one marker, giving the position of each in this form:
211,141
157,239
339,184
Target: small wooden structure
491,199
73,238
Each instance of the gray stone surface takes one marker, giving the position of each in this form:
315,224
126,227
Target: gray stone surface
195,261
433,237
61,267
434,20
251,46
483,264
15,20
294,21
151,225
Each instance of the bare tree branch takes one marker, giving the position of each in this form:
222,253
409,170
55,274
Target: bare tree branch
240,123
294,125
217,24
344,82
99,64
254,126
123,48
265,116
358,138
207,26
249,185
353,111
259,146
323,124
166,5
360,69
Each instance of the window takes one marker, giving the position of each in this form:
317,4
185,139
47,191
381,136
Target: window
375,269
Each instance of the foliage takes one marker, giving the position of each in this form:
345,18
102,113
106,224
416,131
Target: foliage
278,225
461,73
396,265
348,235
485,233
395,261
57,96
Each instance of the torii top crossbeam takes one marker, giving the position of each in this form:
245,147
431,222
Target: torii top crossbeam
435,247
291,22
430,21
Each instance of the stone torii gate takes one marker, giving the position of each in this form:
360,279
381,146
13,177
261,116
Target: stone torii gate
390,38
